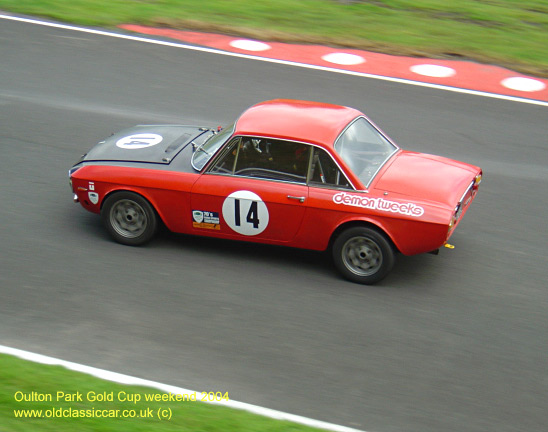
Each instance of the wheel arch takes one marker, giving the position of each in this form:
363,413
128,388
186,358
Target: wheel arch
139,192
361,223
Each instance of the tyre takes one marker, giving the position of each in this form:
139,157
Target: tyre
363,255
129,218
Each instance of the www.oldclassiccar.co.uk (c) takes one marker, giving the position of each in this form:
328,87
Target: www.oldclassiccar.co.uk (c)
160,413
102,411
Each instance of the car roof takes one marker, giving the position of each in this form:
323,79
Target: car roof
313,122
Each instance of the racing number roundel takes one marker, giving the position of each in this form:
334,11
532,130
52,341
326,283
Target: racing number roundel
245,212
139,141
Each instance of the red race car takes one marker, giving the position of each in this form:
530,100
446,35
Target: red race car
295,173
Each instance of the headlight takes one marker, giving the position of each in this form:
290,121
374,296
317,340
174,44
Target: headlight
72,171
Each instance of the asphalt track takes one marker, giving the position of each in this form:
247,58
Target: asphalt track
452,342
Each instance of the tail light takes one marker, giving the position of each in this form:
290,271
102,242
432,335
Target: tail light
477,181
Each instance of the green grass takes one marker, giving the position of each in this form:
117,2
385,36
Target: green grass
18,377
511,33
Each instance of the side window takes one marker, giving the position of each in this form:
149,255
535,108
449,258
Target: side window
225,163
272,159
325,172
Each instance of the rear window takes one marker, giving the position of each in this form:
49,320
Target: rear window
364,149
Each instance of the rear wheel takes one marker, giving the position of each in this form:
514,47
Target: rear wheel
363,255
129,218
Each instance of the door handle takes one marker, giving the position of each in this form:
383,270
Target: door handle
300,199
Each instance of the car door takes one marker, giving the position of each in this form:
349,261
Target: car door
255,190
323,214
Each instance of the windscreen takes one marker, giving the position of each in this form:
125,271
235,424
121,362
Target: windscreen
204,153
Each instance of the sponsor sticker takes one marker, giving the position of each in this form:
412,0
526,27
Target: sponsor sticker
245,212
139,141
93,197
205,220
382,204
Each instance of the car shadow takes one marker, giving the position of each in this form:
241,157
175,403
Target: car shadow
249,251
419,272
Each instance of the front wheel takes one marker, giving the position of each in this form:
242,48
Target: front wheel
129,218
363,255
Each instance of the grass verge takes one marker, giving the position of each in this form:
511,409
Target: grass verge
511,33
57,406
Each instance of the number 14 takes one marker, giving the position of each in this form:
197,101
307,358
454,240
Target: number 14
252,214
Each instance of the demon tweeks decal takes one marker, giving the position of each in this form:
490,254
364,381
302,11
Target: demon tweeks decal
382,204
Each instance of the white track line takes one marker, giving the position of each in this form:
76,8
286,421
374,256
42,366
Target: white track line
269,60
129,380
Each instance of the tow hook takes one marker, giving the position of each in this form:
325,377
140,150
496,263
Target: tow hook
449,246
